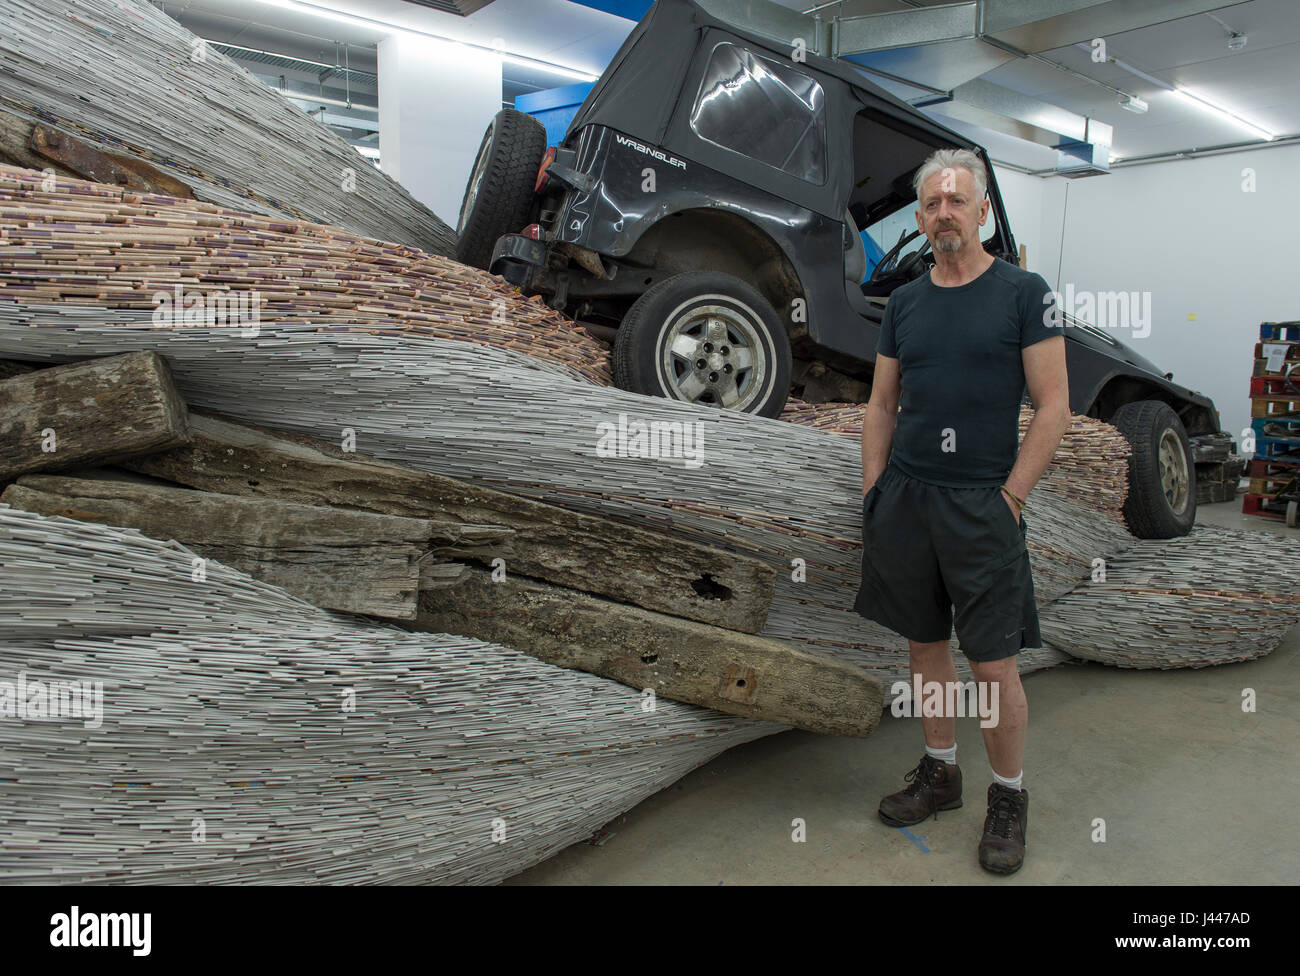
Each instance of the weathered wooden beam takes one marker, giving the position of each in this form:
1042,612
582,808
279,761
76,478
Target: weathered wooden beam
95,412
16,146
578,551
359,562
39,146
90,163
741,674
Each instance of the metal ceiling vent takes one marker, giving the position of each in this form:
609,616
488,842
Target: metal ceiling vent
325,72
462,8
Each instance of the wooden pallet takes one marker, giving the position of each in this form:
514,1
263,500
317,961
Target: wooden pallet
1274,402
1265,507
1280,331
1264,383
1278,449
1268,476
1276,407
1285,428
1280,384
1276,436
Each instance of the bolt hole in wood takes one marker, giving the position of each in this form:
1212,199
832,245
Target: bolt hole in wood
710,589
739,684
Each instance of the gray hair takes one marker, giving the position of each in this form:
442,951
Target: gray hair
942,159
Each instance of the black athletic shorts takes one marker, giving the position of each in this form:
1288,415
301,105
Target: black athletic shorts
927,549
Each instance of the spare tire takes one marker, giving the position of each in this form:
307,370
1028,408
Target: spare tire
705,337
499,193
1161,501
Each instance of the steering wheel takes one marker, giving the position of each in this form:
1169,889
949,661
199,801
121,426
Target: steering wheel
890,267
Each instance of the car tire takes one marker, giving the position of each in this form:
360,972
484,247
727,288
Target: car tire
1161,501
499,195
740,345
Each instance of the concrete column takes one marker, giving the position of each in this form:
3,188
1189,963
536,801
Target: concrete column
436,98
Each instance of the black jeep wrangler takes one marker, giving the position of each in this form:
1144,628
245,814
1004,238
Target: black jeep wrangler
705,209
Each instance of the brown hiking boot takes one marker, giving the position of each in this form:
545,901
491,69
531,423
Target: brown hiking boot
1002,848
933,786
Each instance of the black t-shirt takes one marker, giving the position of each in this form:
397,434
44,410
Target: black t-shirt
958,352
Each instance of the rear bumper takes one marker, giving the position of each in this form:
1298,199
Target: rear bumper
516,258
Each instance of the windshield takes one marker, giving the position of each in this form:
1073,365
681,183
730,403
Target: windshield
886,154
884,233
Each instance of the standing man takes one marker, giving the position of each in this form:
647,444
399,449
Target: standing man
942,514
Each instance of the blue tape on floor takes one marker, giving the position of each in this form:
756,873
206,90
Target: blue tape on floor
914,839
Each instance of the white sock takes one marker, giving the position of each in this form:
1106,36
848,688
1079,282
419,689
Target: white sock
1011,784
948,755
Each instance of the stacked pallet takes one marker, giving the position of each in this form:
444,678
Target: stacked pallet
1274,471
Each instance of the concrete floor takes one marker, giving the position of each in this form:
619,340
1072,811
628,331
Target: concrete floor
1192,790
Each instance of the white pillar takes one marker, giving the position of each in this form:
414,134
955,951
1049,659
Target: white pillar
436,98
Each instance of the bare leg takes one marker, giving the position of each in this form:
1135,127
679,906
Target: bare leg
1005,741
933,662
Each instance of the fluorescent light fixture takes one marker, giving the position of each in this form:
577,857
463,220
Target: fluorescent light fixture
1224,113
301,6
1133,104
326,12
526,62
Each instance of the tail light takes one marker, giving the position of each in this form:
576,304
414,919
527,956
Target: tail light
542,178
532,230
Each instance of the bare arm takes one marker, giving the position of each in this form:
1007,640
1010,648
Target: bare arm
879,419
1048,383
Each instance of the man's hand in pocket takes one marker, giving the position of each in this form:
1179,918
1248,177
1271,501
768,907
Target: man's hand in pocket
1010,504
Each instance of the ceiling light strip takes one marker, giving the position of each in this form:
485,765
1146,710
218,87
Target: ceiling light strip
1224,113
520,59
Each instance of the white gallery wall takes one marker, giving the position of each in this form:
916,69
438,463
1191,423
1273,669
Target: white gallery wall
1213,252
429,138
